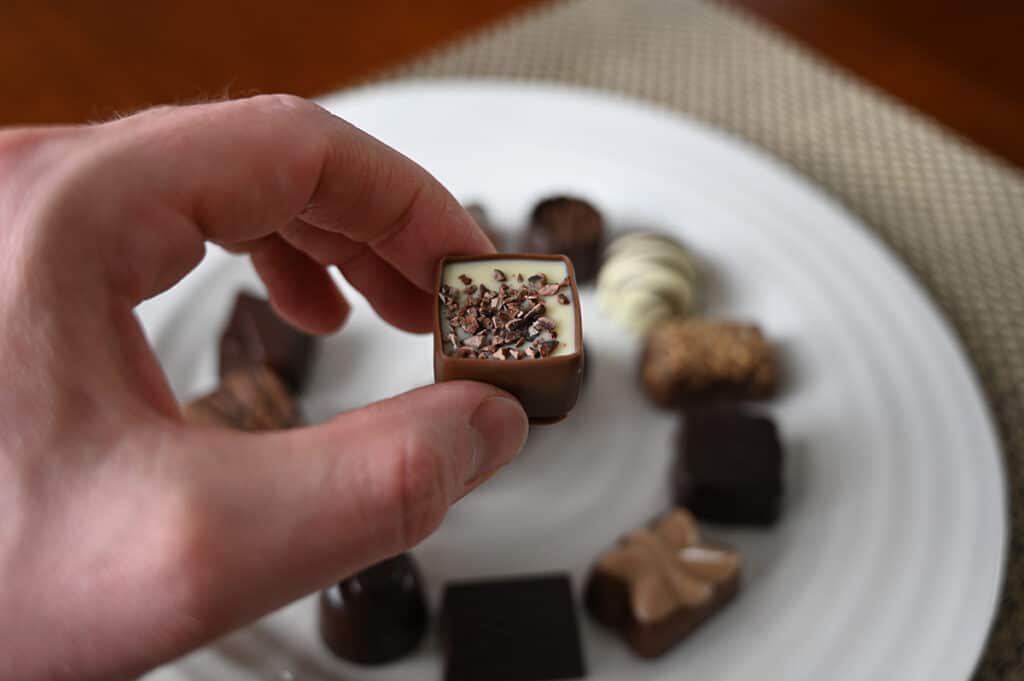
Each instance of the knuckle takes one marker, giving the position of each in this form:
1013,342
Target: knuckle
421,488
284,102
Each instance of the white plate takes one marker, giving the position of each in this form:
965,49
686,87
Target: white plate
888,561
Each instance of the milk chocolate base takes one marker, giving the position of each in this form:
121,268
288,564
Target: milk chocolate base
547,388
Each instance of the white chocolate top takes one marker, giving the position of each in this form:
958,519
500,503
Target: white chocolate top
482,272
646,278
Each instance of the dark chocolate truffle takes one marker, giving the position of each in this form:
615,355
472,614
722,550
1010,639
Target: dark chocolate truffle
729,468
659,583
516,629
377,615
567,226
251,398
255,335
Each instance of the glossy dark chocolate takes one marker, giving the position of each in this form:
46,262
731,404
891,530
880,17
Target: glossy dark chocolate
660,582
568,226
252,398
377,615
255,335
547,387
729,468
516,629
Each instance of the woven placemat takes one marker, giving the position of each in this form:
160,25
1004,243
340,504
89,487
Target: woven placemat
953,213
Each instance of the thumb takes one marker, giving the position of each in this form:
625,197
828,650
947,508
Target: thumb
283,514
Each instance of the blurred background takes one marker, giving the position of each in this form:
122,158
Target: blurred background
959,61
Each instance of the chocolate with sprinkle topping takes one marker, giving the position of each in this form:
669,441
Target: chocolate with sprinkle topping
519,321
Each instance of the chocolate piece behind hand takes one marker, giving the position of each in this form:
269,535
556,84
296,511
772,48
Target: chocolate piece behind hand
479,215
660,583
729,468
546,385
255,335
686,361
567,226
252,398
517,629
377,615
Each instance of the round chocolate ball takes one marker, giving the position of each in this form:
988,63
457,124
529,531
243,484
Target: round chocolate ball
377,615
568,226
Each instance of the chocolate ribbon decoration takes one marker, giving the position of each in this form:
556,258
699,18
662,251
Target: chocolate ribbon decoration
667,566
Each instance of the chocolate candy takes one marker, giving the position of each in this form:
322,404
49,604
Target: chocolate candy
646,278
512,321
692,360
377,615
251,398
729,468
255,335
517,629
567,226
481,218
661,582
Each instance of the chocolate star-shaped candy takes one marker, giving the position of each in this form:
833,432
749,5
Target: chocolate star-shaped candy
660,582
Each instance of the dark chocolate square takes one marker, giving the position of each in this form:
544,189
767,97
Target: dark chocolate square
518,629
730,467
255,336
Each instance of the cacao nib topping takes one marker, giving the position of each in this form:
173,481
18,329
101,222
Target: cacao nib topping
507,324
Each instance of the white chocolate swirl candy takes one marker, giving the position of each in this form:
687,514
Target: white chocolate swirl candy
645,278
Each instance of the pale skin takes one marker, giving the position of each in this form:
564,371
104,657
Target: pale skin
127,537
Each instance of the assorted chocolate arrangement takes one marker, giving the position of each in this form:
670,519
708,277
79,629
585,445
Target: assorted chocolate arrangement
513,320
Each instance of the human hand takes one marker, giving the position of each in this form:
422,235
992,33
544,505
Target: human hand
127,537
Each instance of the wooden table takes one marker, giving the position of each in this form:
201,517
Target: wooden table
960,61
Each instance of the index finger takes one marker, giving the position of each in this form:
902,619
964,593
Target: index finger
238,171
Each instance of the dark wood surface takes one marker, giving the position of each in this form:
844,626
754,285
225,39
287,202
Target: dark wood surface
960,61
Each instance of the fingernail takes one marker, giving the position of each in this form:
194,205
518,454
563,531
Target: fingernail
501,428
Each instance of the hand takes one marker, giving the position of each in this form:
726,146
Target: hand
127,537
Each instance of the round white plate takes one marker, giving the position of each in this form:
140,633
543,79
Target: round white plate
888,560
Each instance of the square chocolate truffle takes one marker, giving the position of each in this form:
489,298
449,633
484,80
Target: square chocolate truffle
660,582
689,361
513,321
517,629
729,468
252,398
256,335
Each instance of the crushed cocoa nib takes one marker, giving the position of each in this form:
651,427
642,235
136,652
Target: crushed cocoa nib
509,323
548,290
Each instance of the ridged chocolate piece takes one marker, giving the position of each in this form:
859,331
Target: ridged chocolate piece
377,615
255,335
253,398
516,629
660,582
729,468
687,361
564,225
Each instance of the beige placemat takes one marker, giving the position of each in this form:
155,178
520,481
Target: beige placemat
954,213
